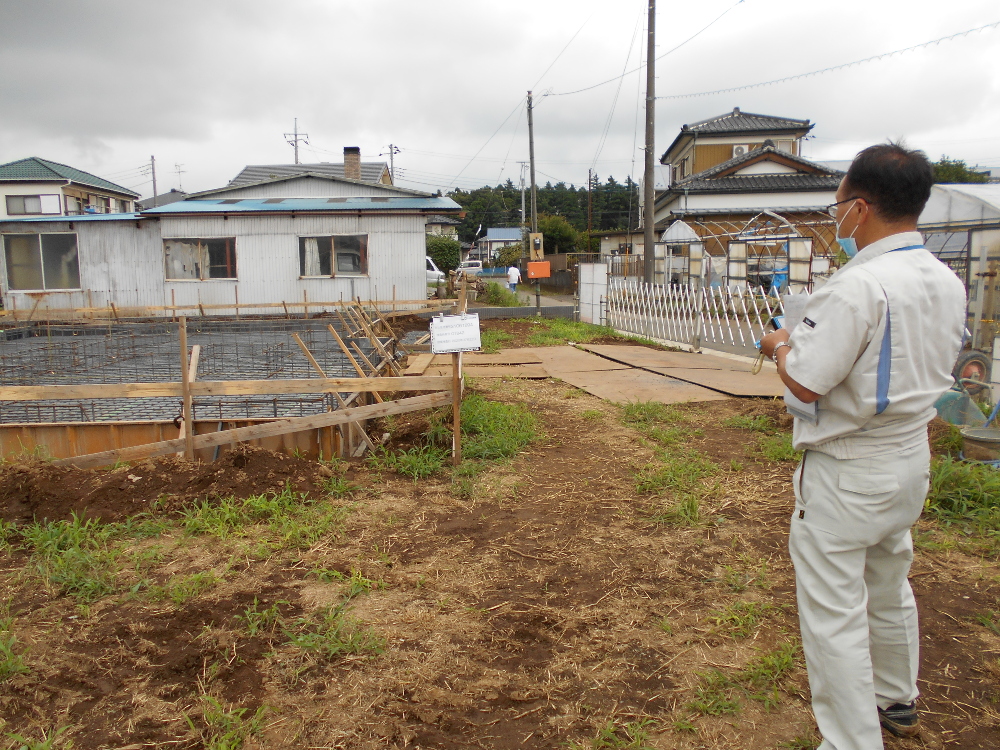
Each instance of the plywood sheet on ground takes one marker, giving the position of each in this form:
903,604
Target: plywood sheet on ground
506,357
622,386
493,371
641,356
560,359
765,383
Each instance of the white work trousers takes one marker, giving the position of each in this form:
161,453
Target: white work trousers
851,546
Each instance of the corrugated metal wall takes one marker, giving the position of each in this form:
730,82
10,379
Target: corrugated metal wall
123,263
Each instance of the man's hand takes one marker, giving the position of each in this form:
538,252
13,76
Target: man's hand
767,345
771,340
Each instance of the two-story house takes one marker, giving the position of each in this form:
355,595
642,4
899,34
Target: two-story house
39,187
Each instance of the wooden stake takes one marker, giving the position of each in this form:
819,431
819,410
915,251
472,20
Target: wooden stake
456,408
343,404
186,388
305,303
236,289
173,304
192,376
351,359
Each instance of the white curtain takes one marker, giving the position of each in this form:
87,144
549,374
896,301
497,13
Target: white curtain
312,257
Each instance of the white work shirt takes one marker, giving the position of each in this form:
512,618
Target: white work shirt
866,410
513,275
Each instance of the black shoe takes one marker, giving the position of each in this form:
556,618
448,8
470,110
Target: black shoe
900,719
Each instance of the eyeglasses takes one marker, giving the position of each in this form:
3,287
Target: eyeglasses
832,208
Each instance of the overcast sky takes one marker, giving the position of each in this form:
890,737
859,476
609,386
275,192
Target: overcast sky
214,85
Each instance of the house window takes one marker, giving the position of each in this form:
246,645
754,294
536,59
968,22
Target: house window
73,205
32,204
123,206
200,259
41,261
329,256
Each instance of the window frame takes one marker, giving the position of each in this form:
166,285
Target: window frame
334,272
203,264
39,196
41,259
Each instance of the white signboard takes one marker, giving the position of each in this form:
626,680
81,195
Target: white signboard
455,333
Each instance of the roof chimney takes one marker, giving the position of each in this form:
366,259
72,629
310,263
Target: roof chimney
352,162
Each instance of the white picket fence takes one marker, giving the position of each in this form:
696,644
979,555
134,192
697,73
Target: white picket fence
728,318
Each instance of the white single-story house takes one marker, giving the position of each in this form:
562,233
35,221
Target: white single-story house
306,237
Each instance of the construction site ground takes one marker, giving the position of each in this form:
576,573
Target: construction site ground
623,582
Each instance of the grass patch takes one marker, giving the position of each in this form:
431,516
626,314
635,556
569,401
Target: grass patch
559,331
592,414
492,341
720,694
498,295
778,447
964,492
258,621
660,422
417,463
288,519
48,740
754,423
633,735
680,470
11,660
741,619
181,589
950,441
493,431
989,620
226,729
74,556
329,633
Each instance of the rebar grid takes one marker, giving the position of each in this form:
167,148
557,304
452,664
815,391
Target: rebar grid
149,352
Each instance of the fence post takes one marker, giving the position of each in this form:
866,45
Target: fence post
737,266
799,265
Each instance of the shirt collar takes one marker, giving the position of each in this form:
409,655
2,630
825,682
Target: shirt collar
885,245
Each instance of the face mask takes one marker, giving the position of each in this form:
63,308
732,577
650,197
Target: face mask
849,244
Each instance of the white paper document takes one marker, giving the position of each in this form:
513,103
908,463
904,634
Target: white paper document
795,310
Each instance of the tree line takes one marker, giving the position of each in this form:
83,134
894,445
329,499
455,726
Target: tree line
613,206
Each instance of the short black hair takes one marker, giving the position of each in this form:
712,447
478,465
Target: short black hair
895,180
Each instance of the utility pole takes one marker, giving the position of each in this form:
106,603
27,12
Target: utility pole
523,165
534,197
590,205
293,138
152,168
649,195
531,157
393,150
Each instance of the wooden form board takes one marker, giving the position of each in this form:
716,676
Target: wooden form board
562,359
506,357
623,386
220,388
641,356
731,377
280,427
763,384
536,372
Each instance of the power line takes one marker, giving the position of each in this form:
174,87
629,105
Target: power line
668,52
563,50
834,67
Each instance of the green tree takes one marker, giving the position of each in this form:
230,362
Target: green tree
509,255
444,251
559,236
956,171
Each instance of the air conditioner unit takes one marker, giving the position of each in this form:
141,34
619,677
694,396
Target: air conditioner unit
740,149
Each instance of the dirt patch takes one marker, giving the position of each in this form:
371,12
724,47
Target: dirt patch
524,605
38,490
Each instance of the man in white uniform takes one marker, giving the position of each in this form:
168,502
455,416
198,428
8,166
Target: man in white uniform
513,277
873,353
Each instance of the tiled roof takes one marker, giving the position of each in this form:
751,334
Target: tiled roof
745,122
371,171
442,220
34,169
818,176
374,186
759,183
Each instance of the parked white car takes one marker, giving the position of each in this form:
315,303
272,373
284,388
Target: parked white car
434,274
470,268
